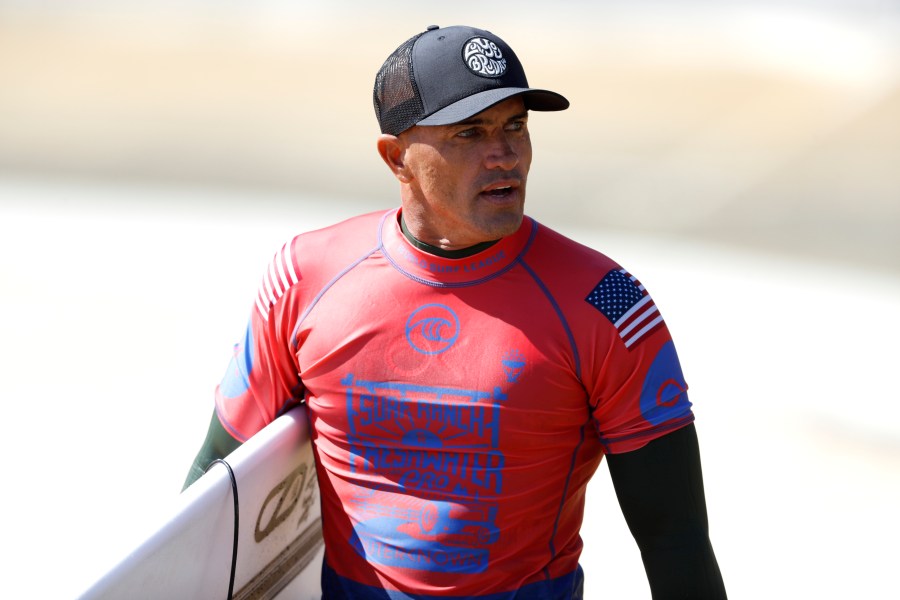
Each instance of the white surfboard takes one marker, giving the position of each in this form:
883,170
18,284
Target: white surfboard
280,545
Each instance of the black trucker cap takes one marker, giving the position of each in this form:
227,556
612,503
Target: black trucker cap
443,76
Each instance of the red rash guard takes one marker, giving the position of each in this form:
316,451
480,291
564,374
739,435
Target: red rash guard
458,407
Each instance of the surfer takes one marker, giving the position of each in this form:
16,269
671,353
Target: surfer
400,312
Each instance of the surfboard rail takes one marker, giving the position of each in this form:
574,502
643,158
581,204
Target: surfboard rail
280,546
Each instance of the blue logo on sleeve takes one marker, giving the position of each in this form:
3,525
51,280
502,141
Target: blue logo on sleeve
237,378
432,329
664,395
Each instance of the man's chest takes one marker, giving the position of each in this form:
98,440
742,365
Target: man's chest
401,359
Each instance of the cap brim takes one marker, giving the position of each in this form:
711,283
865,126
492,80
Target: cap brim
541,100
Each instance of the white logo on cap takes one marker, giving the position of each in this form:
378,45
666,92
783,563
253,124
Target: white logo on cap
484,58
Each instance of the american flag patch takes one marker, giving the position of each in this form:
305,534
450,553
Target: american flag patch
280,276
624,301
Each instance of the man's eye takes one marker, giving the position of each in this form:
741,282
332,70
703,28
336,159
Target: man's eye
466,133
516,126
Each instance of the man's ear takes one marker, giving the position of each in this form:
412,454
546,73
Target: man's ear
393,153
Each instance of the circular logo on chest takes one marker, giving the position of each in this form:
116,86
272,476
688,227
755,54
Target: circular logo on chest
484,58
432,328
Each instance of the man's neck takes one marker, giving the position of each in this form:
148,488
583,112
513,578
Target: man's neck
460,253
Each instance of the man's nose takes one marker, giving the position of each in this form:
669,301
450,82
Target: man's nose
501,154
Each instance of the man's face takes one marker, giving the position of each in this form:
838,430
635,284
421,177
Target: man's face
467,180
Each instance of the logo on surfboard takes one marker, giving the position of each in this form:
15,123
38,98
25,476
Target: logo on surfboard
297,489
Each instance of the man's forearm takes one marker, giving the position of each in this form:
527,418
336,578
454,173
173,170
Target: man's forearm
684,569
660,490
218,444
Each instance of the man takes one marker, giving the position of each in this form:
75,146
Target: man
465,368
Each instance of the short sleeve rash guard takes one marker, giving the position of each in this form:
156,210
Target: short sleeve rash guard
458,407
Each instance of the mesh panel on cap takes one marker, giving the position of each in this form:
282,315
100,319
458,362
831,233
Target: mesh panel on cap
398,105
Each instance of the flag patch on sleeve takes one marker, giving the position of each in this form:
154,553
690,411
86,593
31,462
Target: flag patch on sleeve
624,301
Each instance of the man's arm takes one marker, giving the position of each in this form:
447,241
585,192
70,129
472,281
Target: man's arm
218,444
660,490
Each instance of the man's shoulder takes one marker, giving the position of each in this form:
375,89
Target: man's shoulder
339,241
321,253
362,228
551,245
313,258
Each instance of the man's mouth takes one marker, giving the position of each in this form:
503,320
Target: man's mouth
500,192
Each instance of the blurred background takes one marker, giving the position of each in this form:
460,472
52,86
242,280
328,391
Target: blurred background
742,157
770,124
